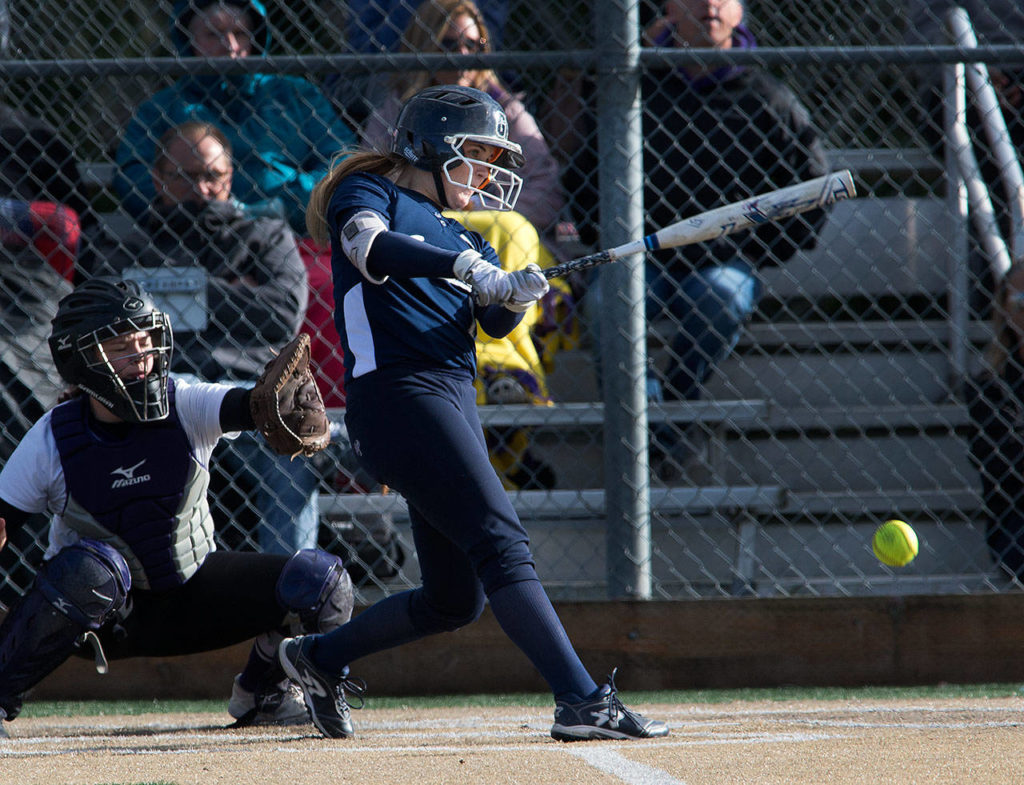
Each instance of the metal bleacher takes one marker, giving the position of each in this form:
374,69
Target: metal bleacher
819,429
821,424
857,416
865,412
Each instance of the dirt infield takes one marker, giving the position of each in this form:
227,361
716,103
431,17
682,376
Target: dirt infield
918,741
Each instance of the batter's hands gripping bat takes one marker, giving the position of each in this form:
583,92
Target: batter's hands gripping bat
772,206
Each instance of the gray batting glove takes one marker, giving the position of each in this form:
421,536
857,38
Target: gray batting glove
528,286
491,285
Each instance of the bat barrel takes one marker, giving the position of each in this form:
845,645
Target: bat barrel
774,206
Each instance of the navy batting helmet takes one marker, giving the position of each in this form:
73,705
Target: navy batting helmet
433,126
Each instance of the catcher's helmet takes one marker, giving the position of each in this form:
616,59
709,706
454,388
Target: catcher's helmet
433,126
100,309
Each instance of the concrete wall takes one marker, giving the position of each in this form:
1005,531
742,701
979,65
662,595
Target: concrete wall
656,645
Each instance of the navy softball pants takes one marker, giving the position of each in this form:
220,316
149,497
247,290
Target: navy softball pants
419,433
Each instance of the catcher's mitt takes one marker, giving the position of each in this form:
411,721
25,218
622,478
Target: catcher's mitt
286,404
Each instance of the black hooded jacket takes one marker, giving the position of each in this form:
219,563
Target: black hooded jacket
257,288
711,141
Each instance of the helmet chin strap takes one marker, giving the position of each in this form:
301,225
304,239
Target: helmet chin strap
442,197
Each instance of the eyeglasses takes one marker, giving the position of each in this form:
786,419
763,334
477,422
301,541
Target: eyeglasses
457,43
202,176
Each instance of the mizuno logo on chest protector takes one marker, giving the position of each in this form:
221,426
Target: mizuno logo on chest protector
127,476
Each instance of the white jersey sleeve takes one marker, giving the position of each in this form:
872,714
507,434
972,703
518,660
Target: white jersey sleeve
32,479
198,405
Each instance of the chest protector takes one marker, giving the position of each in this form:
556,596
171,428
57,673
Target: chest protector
145,494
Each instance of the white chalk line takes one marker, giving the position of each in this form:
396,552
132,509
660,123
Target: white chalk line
611,762
887,708
687,731
10,747
914,725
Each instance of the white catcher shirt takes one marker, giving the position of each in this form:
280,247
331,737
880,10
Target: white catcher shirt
33,478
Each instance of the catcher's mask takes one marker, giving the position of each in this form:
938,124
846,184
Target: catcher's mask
96,311
433,127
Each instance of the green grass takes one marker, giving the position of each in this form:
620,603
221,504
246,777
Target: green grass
131,707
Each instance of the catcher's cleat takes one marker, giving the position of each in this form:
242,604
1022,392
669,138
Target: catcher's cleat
324,695
282,704
603,716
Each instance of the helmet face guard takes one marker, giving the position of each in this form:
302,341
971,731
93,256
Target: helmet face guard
135,400
97,311
499,191
433,128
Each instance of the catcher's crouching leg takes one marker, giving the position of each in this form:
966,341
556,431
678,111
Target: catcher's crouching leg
316,590
76,591
315,586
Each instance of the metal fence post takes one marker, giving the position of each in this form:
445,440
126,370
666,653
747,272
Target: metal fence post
623,333
958,151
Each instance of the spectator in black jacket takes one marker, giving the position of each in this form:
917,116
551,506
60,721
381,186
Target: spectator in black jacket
236,288
40,204
37,165
995,399
713,136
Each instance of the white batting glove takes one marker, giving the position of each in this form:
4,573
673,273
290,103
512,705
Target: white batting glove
528,286
491,285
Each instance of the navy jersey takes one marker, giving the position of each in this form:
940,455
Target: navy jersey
414,322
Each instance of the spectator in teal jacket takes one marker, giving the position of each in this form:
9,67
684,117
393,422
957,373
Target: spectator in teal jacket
282,128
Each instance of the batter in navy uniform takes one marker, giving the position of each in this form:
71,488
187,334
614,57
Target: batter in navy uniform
410,288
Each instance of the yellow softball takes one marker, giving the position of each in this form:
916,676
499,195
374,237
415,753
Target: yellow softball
895,543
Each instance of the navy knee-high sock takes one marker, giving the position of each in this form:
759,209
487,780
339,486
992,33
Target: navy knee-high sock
383,625
526,615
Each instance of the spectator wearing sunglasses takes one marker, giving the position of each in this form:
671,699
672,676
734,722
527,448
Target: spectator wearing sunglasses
375,27
458,27
511,369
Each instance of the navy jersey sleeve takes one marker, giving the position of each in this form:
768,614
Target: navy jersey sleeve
400,256
413,312
497,320
394,253
356,193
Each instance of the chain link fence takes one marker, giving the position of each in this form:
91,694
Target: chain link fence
842,401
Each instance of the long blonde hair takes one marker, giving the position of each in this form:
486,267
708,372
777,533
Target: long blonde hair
421,35
344,164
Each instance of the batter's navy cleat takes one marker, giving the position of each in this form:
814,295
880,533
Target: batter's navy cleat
602,716
324,694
